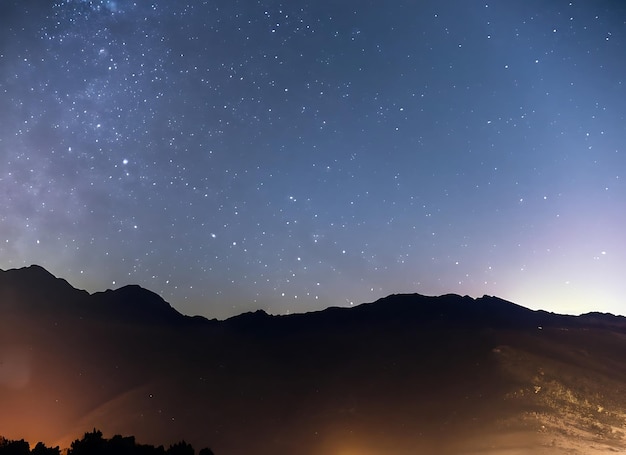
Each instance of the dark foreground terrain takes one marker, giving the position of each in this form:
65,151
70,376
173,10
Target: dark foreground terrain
407,374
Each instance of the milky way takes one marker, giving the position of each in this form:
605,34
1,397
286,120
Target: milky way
235,155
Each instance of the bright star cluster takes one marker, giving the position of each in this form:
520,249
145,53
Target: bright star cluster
288,156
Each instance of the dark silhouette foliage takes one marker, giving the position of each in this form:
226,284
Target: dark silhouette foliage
8,447
181,448
93,443
41,449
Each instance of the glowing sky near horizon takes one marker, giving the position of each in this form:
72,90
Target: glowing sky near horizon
235,155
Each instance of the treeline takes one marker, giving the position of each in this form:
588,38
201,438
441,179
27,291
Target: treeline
93,443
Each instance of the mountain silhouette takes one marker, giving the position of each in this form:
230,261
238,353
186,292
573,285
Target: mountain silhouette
133,303
35,289
403,375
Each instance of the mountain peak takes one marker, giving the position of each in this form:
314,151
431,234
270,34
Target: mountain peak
132,303
31,272
37,289
37,269
34,286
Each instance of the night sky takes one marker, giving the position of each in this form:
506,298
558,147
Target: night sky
234,155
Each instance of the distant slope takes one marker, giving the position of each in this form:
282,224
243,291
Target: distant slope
403,375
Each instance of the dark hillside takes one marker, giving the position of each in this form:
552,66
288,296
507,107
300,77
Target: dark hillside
403,375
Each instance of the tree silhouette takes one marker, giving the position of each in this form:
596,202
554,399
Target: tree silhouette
149,450
41,449
121,445
8,447
180,448
93,443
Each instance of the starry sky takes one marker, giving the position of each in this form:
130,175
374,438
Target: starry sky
234,155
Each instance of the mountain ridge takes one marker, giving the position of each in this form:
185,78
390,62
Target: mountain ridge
135,304
36,287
